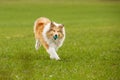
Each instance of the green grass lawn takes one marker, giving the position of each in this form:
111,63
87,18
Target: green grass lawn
91,50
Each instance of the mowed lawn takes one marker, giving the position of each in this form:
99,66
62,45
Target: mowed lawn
91,50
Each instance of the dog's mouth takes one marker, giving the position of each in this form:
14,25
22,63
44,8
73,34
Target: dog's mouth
55,37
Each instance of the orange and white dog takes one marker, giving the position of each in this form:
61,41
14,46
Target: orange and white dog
49,34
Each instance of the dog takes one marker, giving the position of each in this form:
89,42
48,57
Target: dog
49,34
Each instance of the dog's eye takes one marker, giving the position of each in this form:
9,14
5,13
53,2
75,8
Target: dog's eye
59,31
53,30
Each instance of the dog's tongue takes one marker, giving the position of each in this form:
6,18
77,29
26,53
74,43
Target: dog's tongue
55,37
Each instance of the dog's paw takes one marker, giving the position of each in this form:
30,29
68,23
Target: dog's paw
53,57
57,58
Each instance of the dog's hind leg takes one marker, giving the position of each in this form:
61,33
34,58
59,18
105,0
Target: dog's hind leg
37,44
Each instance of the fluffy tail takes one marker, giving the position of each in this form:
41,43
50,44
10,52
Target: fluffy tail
38,29
39,25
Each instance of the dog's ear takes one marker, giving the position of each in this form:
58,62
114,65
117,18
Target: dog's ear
61,26
52,24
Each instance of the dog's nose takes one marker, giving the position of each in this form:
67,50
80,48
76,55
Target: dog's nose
55,35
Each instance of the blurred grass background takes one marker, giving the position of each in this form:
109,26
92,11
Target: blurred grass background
91,49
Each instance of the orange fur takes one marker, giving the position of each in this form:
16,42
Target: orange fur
40,23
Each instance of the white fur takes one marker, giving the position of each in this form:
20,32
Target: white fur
53,54
37,45
56,24
53,44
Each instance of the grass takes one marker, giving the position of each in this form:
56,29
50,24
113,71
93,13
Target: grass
91,50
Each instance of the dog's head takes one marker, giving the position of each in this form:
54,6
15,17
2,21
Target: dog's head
56,31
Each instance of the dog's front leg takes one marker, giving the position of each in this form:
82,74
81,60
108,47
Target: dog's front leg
53,54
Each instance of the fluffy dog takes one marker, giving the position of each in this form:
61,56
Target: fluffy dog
49,34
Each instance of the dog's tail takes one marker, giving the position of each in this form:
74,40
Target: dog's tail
40,22
39,25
